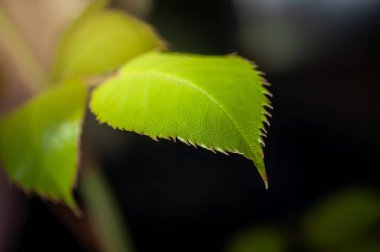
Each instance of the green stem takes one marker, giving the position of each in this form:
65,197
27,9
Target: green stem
19,51
103,212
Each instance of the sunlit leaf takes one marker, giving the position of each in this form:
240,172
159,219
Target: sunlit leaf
214,102
39,142
100,41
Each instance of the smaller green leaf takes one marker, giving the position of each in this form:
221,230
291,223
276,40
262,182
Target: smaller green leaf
215,102
100,41
39,142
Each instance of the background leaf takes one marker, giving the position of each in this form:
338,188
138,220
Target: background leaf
100,41
261,239
214,102
39,142
343,220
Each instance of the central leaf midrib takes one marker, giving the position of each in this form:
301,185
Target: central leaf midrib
193,86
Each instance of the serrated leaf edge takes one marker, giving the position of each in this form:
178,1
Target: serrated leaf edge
262,128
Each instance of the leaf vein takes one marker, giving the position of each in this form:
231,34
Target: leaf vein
199,90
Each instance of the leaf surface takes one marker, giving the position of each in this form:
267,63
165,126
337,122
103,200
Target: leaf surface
39,142
214,102
100,41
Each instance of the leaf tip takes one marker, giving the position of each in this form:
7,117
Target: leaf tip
264,177
260,166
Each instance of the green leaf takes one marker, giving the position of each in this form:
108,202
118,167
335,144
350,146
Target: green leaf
214,102
100,41
343,219
265,239
39,142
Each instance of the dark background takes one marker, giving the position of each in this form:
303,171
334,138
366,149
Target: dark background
322,58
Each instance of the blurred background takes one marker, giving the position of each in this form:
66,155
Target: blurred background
322,154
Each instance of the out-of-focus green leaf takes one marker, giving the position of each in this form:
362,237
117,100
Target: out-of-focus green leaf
258,240
363,245
100,41
214,102
39,142
343,219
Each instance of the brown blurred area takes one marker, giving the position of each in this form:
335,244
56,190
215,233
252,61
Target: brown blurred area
40,23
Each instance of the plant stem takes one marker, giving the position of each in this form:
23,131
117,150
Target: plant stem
19,51
103,212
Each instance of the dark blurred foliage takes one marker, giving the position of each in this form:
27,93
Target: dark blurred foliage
322,58
346,221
